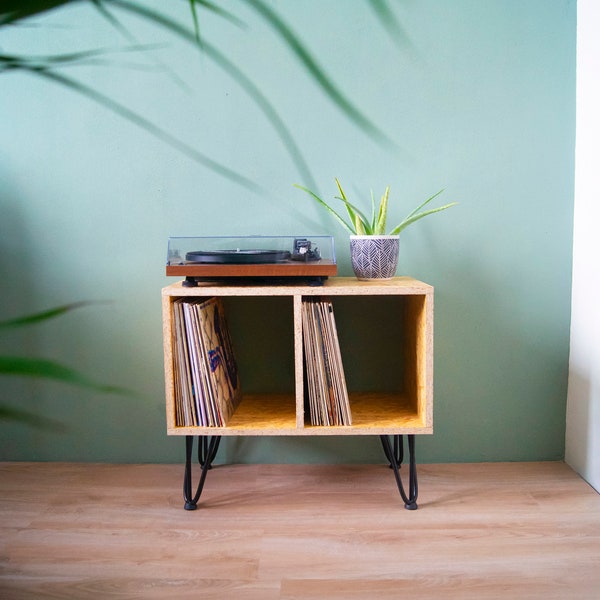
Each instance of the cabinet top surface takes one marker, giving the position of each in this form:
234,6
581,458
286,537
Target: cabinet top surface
331,286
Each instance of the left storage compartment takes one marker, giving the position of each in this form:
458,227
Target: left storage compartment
229,361
205,373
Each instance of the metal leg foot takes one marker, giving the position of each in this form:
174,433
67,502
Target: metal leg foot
207,451
395,455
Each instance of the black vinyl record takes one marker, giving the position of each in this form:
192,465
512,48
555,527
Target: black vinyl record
237,257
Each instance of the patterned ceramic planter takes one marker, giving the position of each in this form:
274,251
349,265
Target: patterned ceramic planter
374,256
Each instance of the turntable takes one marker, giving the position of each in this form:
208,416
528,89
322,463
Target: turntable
250,259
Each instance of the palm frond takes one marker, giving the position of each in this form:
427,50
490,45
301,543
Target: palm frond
233,71
210,6
47,369
318,74
41,368
150,127
390,23
41,316
27,417
12,11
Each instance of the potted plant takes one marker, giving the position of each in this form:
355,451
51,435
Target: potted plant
373,252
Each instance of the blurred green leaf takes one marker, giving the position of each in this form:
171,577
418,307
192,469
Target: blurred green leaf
214,8
144,123
48,369
211,7
41,316
43,67
390,23
8,413
318,74
41,368
237,74
12,11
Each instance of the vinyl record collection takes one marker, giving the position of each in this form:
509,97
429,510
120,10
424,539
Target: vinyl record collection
325,381
207,386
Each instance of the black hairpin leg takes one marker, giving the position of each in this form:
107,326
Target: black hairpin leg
207,451
396,455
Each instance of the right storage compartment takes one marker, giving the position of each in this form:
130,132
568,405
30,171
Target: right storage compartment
385,332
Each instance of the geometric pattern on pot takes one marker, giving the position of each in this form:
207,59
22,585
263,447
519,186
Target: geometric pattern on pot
374,257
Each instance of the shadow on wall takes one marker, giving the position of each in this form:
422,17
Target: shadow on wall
501,369
302,450
16,247
32,345
16,260
501,372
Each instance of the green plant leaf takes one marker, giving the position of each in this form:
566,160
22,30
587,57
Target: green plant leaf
380,223
18,366
41,316
390,23
196,22
12,11
44,71
361,221
48,369
230,68
415,217
322,202
362,226
217,10
211,7
318,74
8,413
373,210
151,128
355,218
8,61
423,204
104,12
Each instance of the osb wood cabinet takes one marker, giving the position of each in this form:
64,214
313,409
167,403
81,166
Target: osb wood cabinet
402,302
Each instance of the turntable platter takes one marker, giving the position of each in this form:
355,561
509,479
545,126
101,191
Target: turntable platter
237,257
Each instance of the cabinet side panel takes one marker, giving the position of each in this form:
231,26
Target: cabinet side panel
167,303
428,343
419,320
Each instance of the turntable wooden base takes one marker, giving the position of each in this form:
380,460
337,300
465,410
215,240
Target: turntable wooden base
321,268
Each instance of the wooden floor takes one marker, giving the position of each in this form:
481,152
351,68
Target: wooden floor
514,531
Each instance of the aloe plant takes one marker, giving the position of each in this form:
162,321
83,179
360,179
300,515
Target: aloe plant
360,224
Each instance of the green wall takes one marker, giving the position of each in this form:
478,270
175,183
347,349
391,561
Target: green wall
477,97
